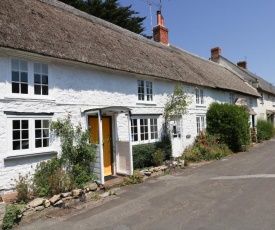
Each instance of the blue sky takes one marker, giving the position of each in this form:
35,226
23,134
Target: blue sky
241,28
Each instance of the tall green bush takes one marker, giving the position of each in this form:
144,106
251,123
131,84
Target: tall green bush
265,130
231,124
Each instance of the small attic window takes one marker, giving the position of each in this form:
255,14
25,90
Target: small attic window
145,90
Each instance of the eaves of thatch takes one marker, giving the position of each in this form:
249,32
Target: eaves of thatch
51,28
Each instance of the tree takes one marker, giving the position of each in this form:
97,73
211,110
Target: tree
176,105
111,11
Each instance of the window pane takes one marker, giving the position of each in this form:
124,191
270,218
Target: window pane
37,89
24,88
37,78
15,76
24,77
45,124
25,144
16,145
37,124
25,134
15,64
38,143
45,132
45,142
16,135
38,133
44,79
45,90
25,124
37,68
15,87
15,124
23,65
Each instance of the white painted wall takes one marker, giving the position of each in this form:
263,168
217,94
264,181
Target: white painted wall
74,87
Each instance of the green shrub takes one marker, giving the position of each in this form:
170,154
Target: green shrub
165,146
265,130
12,213
22,188
50,178
144,154
136,178
231,124
206,147
158,157
77,151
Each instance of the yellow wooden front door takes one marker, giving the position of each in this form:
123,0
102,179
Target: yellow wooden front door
107,140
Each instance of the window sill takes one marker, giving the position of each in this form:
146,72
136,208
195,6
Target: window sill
201,105
17,157
29,97
146,103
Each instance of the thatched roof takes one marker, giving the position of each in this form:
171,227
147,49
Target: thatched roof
51,28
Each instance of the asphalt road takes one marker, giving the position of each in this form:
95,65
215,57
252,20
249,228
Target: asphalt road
237,192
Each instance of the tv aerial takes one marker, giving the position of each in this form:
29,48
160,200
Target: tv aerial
159,5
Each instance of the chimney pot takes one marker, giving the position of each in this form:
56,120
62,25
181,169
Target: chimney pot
160,32
215,54
242,64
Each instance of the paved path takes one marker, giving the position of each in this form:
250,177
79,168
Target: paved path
237,192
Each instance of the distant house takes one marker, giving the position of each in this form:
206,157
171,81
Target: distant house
56,60
266,103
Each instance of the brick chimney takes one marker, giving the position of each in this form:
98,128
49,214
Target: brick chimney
160,32
242,64
215,54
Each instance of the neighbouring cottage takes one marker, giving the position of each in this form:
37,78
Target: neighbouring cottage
56,60
265,107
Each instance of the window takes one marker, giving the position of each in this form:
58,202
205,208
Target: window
231,98
20,134
145,90
144,129
29,78
199,96
30,134
250,102
154,129
200,124
19,76
41,133
40,79
262,98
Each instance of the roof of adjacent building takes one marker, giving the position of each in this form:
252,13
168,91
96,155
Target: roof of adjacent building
51,28
262,83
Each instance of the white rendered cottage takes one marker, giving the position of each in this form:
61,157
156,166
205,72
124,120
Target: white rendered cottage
56,60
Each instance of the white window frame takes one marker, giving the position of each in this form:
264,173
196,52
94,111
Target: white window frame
200,123
147,91
30,75
32,149
200,97
150,133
